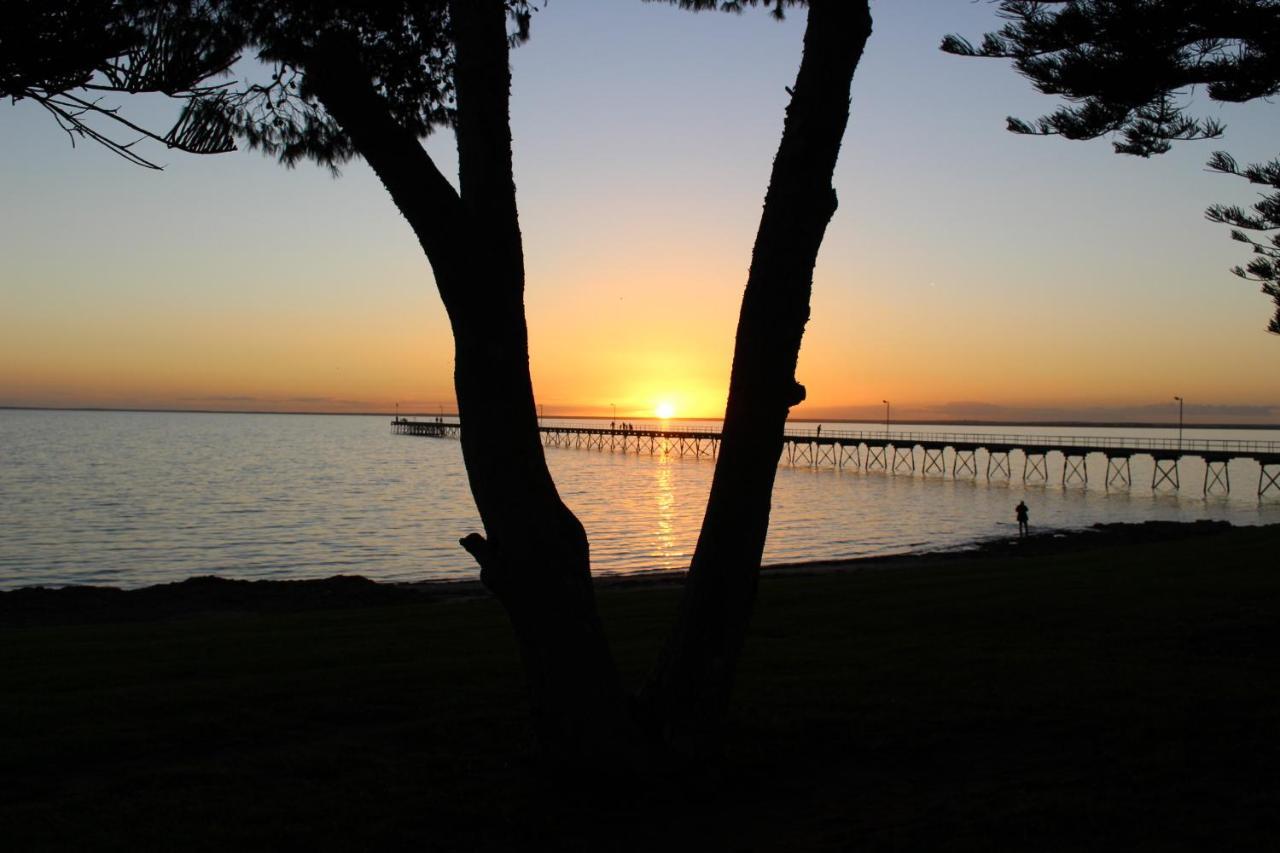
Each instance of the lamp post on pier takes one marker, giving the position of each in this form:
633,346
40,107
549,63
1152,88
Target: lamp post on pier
1180,402
886,418
615,415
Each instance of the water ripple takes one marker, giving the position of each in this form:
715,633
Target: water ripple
140,498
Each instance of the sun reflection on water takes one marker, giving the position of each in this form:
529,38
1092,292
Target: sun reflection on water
664,495
132,499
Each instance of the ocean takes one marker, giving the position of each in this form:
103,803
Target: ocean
135,498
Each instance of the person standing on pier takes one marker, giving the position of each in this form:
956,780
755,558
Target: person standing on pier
1021,512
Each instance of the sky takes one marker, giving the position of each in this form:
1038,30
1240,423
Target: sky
969,273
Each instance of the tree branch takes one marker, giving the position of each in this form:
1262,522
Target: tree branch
416,185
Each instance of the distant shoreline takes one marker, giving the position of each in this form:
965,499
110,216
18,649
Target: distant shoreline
873,422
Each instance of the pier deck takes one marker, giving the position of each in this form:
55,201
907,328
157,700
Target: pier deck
899,451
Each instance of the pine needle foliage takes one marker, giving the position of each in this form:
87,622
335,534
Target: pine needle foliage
777,8
1262,218
1128,69
67,55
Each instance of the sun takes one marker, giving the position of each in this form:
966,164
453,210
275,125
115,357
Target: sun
665,411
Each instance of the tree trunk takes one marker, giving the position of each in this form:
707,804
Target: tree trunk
534,555
690,690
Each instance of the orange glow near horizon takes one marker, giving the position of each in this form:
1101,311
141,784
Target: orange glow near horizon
1011,295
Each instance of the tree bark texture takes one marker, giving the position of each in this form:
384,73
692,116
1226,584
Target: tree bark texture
534,555
690,690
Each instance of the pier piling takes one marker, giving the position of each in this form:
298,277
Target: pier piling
894,453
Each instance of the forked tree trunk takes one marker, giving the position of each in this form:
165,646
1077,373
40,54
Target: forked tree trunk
690,690
534,556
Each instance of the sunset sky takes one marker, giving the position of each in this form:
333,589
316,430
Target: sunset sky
968,272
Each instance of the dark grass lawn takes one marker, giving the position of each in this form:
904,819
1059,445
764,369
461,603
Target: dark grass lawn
1126,697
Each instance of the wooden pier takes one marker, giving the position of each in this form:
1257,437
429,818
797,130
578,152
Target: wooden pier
437,428
930,453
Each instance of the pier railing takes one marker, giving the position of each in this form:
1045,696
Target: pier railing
647,429
1026,439
1037,440
895,451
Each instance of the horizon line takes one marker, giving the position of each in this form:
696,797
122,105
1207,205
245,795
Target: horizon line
1252,425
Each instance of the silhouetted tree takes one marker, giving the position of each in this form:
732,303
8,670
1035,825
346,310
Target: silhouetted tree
372,80
349,79
1126,66
690,689
382,80
66,54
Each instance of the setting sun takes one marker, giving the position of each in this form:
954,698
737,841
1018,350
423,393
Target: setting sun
665,411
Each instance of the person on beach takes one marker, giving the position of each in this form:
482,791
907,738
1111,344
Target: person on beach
1021,512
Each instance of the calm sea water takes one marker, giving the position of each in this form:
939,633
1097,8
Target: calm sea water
130,499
